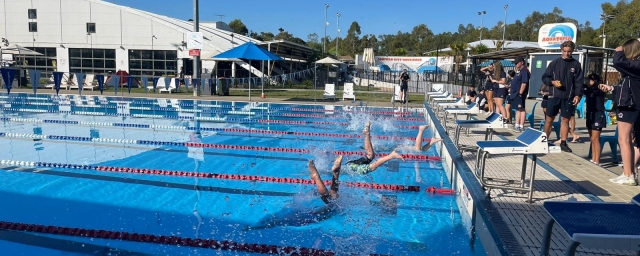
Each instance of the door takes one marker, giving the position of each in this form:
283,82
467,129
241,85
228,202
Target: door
538,65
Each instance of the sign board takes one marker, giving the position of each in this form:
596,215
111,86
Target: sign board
551,36
413,64
195,40
195,52
539,64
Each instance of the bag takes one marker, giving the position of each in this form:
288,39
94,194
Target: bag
623,94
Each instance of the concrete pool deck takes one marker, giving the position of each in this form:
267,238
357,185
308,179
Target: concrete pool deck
564,176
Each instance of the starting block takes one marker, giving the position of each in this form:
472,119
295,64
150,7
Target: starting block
434,96
530,143
493,121
458,104
470,109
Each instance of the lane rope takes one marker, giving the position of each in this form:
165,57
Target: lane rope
251,178
225,245
201,145
192,128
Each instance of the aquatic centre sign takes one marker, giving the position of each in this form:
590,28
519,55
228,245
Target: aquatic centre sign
551,36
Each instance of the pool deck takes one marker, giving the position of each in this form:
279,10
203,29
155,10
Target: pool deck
564,176
560,177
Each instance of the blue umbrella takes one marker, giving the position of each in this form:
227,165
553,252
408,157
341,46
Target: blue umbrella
249,51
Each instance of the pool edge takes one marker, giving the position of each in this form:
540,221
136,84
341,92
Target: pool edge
494,234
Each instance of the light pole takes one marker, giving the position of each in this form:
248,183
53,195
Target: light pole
196,59
482,13
504,29
326,23
338,36
604,18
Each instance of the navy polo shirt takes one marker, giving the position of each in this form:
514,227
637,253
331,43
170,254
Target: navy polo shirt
522,77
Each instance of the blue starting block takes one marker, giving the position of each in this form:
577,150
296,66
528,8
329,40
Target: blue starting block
435,96
470,109
595,225
530,143
493,121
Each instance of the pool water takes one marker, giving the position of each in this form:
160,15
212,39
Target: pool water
363,220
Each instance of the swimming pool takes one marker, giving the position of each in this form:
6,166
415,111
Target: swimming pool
241,187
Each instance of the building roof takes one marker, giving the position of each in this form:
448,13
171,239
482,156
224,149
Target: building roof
288,50
491,44
507,54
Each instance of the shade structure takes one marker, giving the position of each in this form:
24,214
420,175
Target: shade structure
505,63
18,50
249,51
329,60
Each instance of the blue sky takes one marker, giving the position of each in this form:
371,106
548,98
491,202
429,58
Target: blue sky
302,17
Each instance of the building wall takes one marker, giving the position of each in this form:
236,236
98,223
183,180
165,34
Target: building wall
62,24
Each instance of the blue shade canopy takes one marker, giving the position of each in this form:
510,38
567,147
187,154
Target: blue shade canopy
430,69
248,51
505,63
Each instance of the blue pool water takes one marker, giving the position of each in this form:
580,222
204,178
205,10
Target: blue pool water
415,223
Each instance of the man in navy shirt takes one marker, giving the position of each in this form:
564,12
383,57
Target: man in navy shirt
519,92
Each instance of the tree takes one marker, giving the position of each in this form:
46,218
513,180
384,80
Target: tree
238,27
457,51
351,42
479,49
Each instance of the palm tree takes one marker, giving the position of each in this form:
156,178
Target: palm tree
457,51
479,49
499,44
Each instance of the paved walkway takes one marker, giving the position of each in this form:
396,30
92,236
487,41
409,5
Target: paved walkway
570,177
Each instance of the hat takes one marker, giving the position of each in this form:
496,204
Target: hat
518,59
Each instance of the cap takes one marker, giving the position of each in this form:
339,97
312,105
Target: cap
518,59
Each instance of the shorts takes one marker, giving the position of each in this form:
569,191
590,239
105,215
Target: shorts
359,168
630,115
488,87
545,99
500,93
596,120
564,107
507,100
404,87
518,103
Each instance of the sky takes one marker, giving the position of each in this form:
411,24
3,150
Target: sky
303,17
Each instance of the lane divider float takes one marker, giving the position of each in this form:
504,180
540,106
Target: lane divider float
251,178
192,128
225,245
200,145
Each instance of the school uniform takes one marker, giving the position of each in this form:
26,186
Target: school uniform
500,90
594,101
518,100
488,86
627,96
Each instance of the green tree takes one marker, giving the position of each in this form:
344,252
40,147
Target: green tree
457,51
238,27
351,43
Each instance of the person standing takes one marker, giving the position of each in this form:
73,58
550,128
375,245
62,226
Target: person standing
404,85
519,91
596,120
488,87
626,99
566,77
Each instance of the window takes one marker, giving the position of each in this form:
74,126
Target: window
96,61
33,14
152,63
44,63
33,26
91,28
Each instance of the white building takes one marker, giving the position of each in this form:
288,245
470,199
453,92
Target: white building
95,36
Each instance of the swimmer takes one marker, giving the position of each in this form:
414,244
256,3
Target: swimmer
363,165
418,146
327,196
